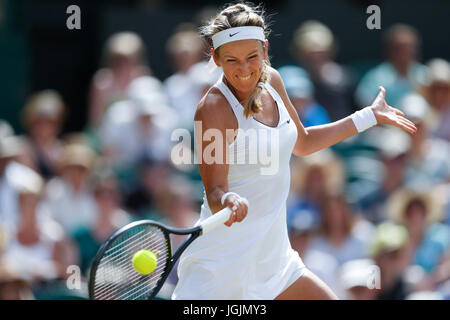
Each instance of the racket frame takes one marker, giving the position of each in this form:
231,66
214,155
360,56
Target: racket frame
195,232
204,227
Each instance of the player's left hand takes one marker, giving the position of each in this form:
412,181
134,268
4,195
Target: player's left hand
385,114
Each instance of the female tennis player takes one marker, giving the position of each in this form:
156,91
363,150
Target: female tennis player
254,259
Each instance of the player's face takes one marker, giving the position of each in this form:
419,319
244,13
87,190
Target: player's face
242,64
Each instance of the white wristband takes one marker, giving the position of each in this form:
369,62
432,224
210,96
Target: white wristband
225,195
364,119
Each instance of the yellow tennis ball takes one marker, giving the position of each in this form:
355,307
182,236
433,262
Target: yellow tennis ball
144,261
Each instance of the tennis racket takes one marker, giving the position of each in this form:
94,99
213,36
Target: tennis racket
112,275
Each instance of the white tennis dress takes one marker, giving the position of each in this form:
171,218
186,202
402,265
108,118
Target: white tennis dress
252,259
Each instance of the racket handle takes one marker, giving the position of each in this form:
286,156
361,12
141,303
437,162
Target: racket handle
215,220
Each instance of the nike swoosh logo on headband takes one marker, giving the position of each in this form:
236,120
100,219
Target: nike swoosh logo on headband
233,34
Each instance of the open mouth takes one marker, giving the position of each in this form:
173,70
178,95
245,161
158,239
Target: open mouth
245,78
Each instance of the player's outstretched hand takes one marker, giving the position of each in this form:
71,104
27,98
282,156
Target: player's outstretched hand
385,114
239,206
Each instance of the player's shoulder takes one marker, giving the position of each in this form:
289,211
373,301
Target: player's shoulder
212,103
275,79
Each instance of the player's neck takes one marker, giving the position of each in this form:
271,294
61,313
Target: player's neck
241,97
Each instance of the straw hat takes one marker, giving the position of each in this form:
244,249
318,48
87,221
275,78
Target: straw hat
437,73
126,43
185,41
399,201
313,35
76,154
46,104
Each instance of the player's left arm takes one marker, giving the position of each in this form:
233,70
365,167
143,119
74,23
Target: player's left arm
319,137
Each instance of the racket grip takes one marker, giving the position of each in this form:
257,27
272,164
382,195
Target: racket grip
215,220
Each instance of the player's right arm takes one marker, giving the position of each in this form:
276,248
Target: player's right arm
212,119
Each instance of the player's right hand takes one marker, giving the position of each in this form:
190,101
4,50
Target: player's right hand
239,206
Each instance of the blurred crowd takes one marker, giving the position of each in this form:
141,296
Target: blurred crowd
370,216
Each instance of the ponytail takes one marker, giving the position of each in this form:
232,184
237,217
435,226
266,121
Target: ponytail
253,104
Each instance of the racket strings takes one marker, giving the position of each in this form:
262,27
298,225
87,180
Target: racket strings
130,247
116,278
136,280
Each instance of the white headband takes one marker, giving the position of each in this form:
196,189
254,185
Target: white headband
234,34
238,33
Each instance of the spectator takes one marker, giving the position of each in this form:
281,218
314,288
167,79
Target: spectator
198,80
13,285
43,117
124,60
68,197
12,156
443,193
400,74
313,177
140,126
186,49
337,240
437,92
389,250
336,231
201,78
37,246
393,146
428,159
315,47
420,212
441,278
153,176
301,93
110,217
176,202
